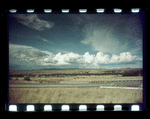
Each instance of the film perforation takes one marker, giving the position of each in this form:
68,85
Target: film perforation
30,10
117,108
100,108
98,10
66,107
47,10
117,10
82,10
13,10
65,10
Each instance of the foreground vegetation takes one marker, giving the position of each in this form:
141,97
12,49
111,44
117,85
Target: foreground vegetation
74,95
62,73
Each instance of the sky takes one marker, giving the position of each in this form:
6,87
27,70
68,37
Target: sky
85,41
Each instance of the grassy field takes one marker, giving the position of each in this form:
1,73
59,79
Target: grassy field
74,95
57,80
56,76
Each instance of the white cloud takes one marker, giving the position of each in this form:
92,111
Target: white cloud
102,58
90,60
21,54
114,58
60,59
86,58
124,57
114,34
65,59
101,39
33,21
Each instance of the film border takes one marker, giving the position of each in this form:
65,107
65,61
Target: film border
75,107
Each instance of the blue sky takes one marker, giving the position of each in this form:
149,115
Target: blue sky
88,41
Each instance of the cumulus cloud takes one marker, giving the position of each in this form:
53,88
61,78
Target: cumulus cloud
86,58
27,55
66,59
33,21
102,58
90,60
124,57
114,58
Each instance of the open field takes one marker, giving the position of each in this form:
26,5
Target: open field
74,95
62,73
57,76
89,79
135,81
112,77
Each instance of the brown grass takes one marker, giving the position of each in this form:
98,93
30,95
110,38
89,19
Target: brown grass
93,71
57,80
74,95
35,81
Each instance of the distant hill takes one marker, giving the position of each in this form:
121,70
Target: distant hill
77,71
61,69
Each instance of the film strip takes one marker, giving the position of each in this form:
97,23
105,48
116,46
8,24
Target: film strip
72,107
51,107
101,10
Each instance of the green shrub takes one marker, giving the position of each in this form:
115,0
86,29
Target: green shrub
27,78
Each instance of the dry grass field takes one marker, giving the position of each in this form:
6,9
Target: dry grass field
58,80
73,72
73,95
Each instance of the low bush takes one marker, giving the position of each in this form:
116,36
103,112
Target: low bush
27,78
132,73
